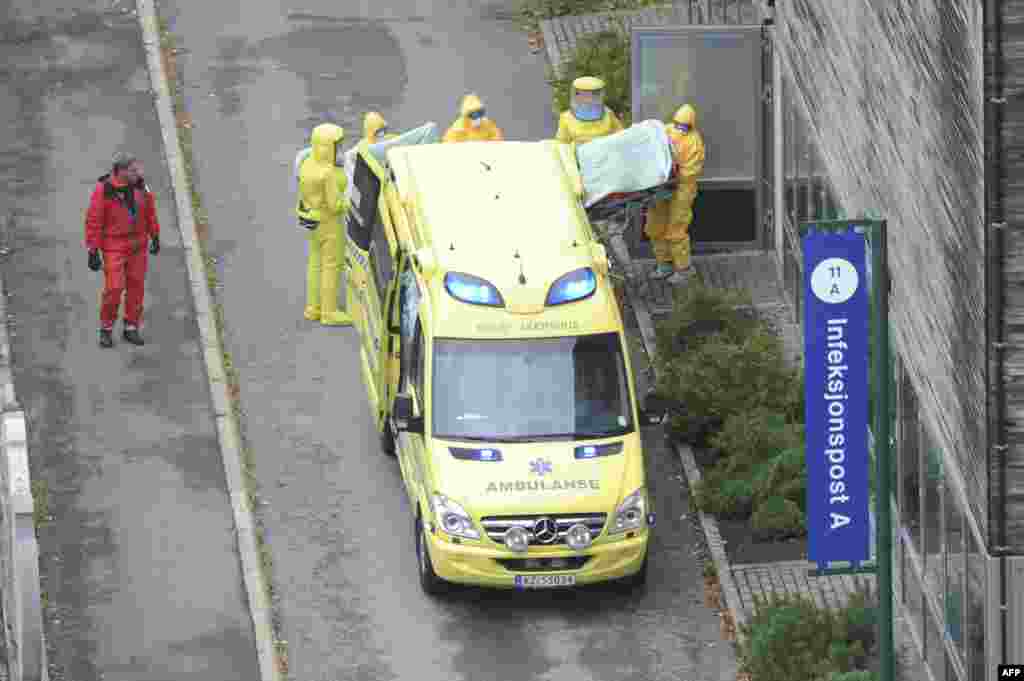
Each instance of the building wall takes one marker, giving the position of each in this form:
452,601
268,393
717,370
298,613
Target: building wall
1011,189
893,102
884,118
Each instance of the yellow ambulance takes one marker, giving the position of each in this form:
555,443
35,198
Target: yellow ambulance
496,362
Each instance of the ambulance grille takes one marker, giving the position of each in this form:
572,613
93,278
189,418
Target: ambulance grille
496,526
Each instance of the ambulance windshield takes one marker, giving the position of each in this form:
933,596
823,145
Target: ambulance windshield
571,388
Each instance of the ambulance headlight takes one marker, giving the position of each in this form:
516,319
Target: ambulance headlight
578,537
631,513
517,539
453,519
575,285
473,290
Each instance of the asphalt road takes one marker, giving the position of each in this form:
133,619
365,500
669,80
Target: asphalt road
138,560
258,76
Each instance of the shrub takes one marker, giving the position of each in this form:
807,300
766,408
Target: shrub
532,12
755,436
777,518
860,616
784,475
787,639
700,311
724,496
720,378
607,56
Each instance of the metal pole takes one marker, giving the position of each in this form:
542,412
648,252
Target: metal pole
883,533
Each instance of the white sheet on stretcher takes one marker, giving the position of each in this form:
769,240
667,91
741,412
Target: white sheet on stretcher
632,160
424,134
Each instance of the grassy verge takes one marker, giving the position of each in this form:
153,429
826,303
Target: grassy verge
184,123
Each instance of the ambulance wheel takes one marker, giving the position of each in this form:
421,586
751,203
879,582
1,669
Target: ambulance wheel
387,439
431,584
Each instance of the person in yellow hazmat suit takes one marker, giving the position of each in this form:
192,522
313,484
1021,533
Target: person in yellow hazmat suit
375,128
473,125
322,208
588,118
668,221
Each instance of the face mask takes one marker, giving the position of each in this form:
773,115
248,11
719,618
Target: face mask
475,122
589,112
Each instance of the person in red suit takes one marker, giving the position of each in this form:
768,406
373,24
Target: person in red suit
121,229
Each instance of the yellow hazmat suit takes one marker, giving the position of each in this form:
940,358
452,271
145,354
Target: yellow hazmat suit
588,118
322,188
668,222
472,125
375,128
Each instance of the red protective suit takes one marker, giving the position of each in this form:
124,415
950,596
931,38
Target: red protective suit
120,222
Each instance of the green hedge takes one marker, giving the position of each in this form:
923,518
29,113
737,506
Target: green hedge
532,12
790,638
607,56
730,392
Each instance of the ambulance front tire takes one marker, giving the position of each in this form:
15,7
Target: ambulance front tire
387,439
431,584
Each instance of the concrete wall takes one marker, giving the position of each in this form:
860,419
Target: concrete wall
19,552
893,94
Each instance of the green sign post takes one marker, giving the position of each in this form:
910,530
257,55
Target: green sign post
876,233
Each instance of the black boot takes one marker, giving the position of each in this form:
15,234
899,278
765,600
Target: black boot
106,338
132,336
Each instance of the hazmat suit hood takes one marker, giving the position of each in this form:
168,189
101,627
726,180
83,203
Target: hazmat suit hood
325,140
470,103
373,123
686,115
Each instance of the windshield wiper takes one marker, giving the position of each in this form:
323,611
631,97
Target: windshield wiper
587,435
545,437
469,438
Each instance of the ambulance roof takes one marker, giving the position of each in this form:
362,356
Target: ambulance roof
505,212
487,200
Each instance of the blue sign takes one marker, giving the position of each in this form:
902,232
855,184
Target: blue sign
836,389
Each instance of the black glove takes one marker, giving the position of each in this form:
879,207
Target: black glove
154,245
95,261
309,224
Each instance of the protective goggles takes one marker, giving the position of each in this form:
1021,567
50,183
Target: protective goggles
476,115
683,127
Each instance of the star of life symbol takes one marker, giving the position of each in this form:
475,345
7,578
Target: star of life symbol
540,467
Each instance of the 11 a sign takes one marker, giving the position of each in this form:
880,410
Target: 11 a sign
836,343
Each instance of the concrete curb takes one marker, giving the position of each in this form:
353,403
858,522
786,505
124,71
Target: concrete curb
22,595
228,430
707,522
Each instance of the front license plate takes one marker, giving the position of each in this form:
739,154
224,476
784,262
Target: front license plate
544,581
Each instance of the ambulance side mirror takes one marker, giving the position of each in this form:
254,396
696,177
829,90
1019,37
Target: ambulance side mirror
651,418
403,414
653,411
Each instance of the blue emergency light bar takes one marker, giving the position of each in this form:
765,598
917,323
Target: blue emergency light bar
576,285
473,290
475,454
594,451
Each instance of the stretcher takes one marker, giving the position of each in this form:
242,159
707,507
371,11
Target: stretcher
620,203
633,167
